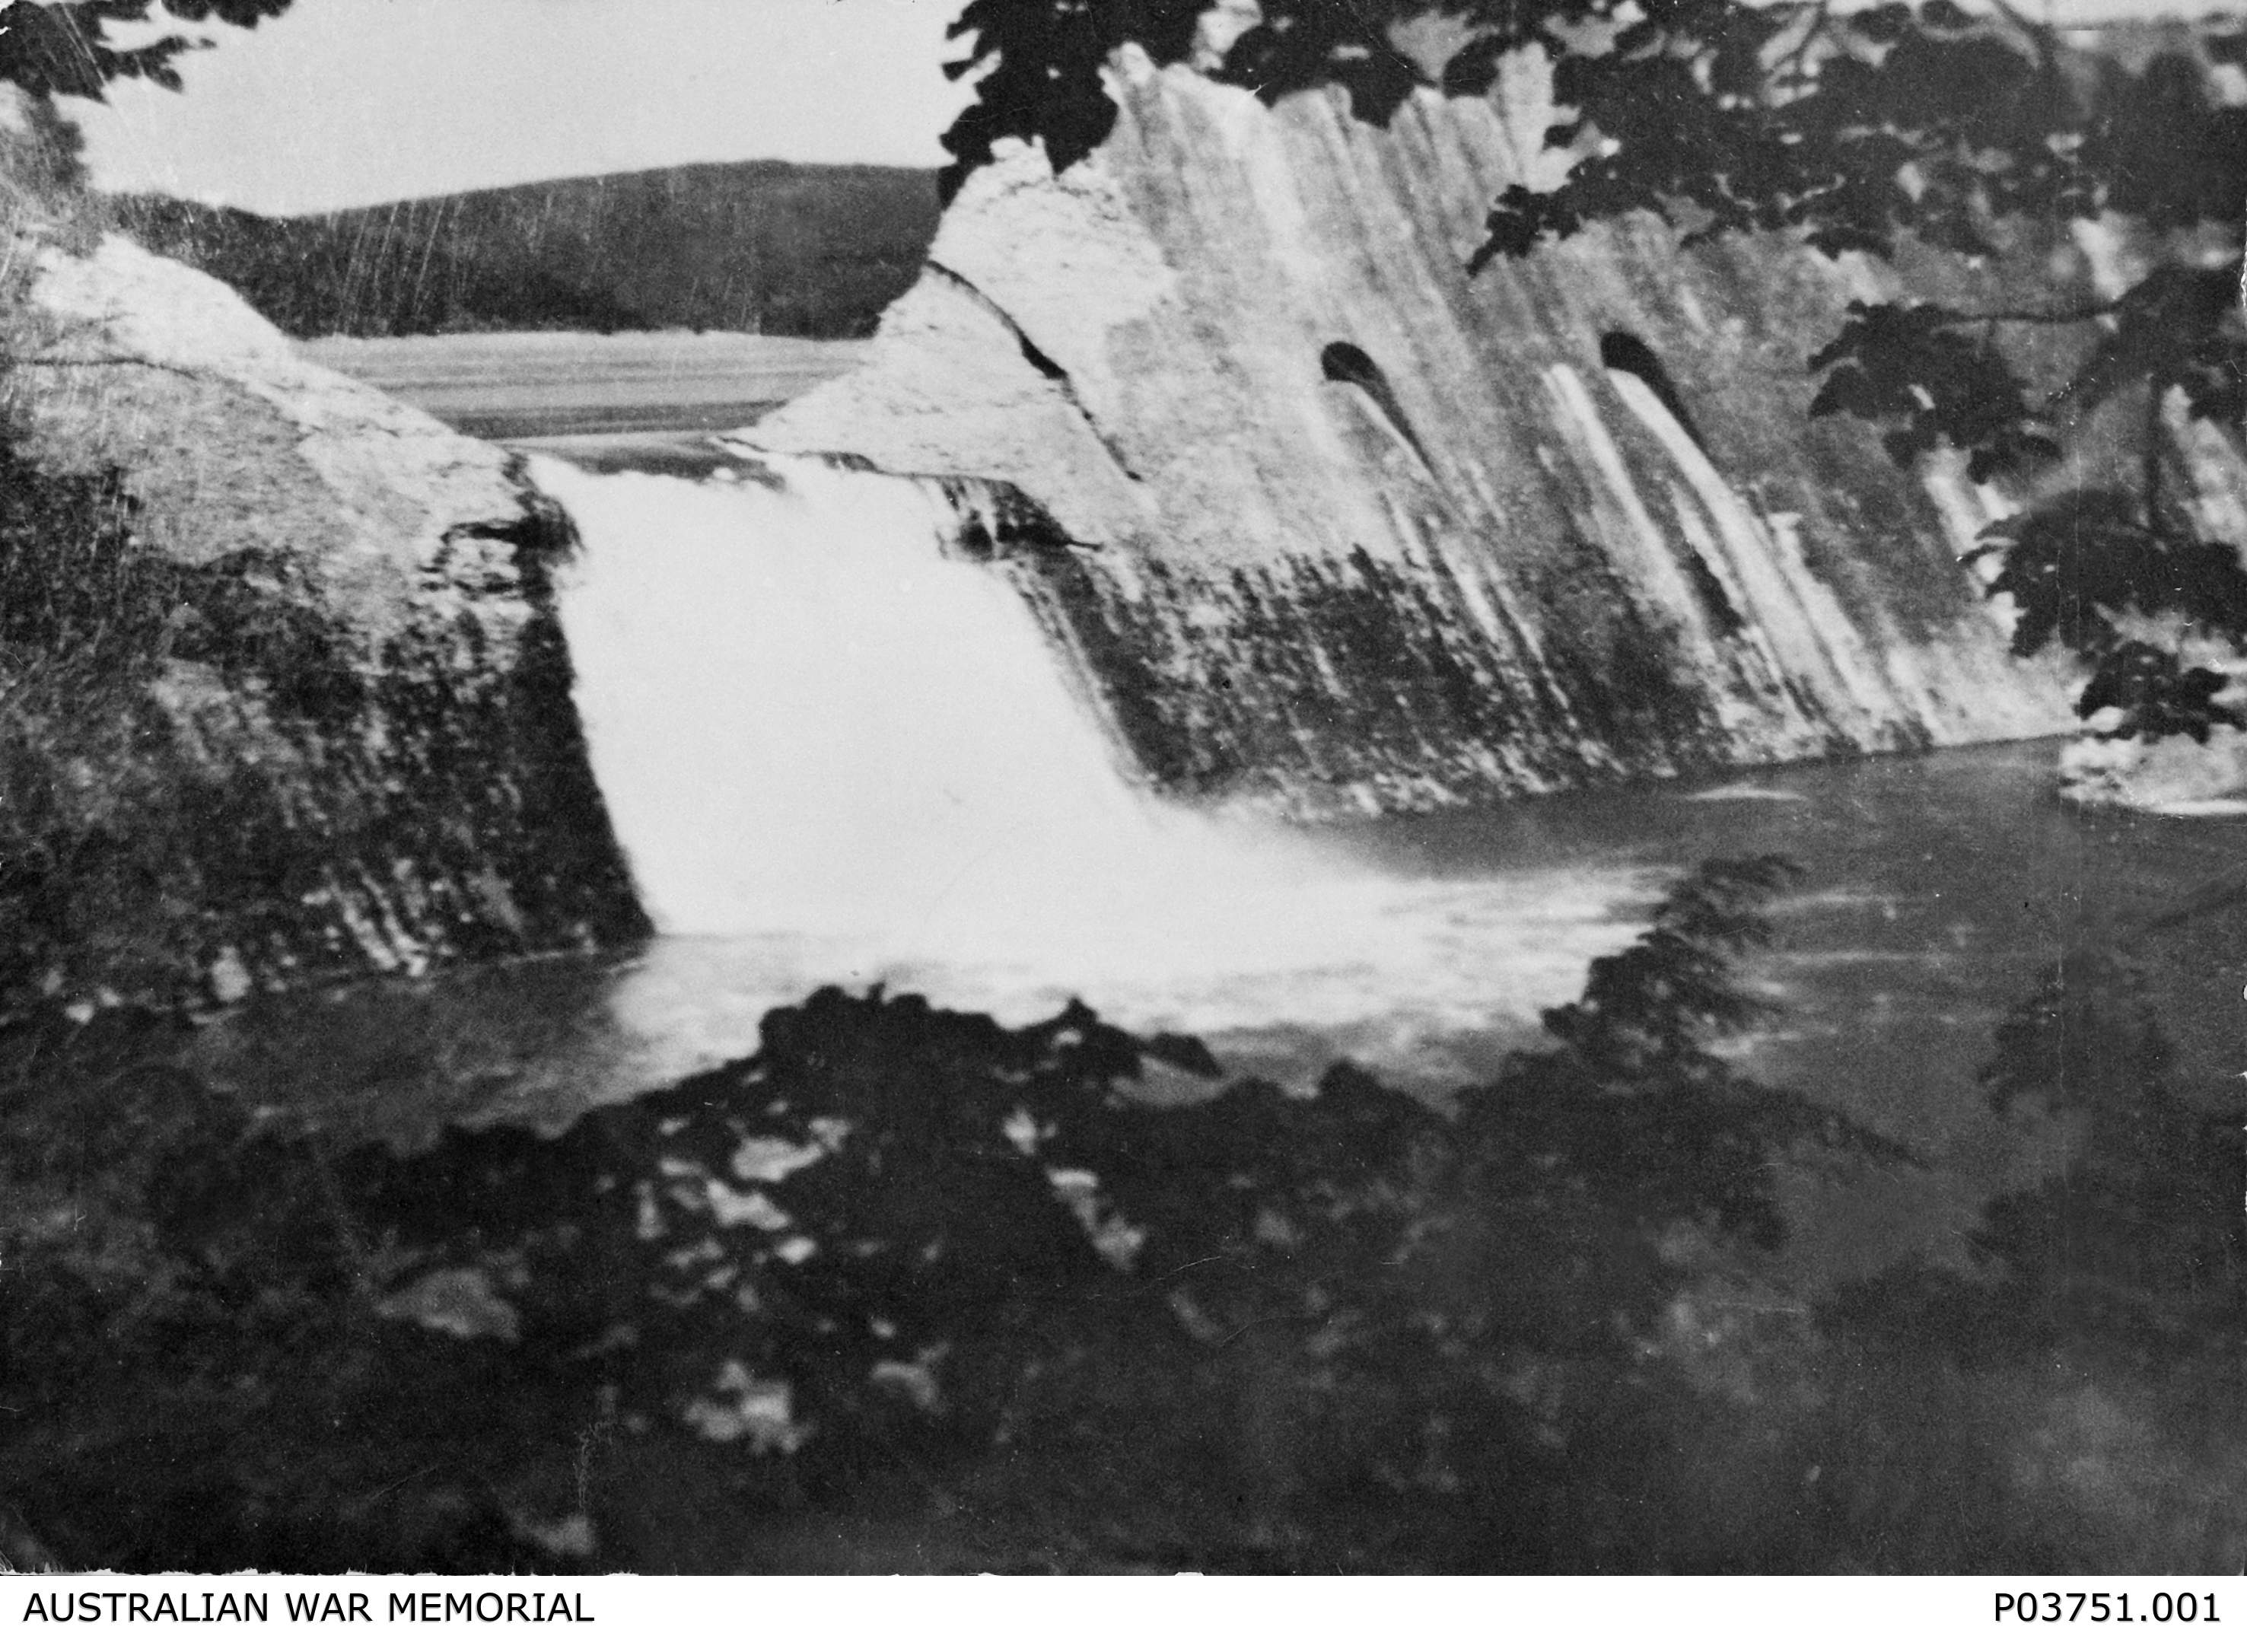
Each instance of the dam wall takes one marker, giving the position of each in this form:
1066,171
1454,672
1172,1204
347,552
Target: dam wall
1330,524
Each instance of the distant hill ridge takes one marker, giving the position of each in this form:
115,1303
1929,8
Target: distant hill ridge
761,246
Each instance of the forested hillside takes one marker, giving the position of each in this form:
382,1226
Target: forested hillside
761,246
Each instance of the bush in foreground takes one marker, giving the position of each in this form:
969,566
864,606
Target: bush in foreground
911,1265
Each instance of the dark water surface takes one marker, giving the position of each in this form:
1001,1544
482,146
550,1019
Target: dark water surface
1936,894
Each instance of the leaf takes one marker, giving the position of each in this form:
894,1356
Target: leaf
242,14
65,50
1934,378
2075,562
2166,331
1041,63
2164,152
2157,695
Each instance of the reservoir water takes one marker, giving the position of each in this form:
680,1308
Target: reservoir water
590,390
834,753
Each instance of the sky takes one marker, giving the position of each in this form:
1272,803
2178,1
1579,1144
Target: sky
342,103
345,103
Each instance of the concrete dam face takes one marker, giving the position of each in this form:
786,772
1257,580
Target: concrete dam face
1325,523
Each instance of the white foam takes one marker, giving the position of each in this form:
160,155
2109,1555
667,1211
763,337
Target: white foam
836,755
1744,792
2199,808
2176,776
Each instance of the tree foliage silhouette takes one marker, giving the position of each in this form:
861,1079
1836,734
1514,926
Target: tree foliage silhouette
897,1234
66,50
1888,130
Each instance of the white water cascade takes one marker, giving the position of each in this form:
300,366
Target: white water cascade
834,753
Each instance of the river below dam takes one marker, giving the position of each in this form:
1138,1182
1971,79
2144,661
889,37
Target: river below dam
835,754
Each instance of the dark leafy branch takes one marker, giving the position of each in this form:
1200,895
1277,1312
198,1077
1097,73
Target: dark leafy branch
66,50
1041,66
903,1236
899,1212
2077,564
1934,377
2141,1235
903,1233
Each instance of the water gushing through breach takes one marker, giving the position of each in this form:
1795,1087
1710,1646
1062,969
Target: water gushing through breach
856,759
